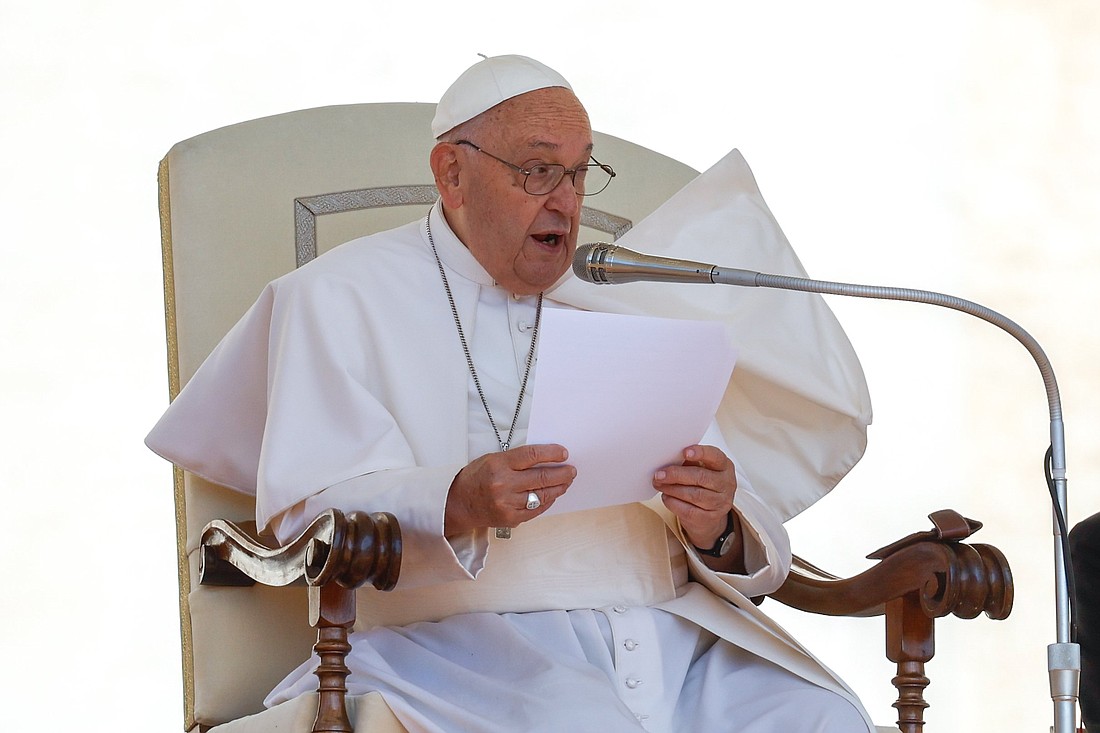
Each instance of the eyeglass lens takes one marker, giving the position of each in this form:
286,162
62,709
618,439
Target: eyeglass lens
587,179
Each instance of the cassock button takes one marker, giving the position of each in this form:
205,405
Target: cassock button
633,682
630,645
523,326
619,609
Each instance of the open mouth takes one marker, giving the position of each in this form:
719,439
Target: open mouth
550,239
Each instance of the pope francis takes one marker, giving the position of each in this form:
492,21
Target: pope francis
393,373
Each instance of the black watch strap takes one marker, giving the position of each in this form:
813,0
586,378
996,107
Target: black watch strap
716,549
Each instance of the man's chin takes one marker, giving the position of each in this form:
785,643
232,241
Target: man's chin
548,274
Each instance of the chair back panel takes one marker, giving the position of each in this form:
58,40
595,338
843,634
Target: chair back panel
233,219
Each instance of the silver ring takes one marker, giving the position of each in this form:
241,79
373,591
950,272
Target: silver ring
533,501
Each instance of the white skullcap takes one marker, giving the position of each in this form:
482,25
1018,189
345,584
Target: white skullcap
488,83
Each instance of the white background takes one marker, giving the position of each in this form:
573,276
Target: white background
950,146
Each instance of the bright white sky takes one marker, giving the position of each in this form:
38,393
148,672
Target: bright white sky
943,145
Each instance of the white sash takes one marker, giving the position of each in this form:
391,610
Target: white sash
590,559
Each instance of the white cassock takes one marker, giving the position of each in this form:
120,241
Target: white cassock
345,385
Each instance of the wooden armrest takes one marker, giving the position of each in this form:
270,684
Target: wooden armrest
916,580
950,578
334,555
351,550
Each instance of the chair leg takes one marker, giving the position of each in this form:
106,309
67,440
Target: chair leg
910,643
332,611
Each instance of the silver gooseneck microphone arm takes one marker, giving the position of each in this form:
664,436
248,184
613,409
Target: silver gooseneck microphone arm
610,264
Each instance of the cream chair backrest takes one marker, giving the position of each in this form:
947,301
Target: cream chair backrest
241,206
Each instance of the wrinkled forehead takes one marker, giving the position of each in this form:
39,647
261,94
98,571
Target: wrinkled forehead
547,119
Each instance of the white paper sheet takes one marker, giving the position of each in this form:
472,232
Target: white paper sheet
625,395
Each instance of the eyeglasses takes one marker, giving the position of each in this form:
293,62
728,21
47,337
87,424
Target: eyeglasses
542,178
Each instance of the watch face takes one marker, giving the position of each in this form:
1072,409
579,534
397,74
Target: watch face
727,545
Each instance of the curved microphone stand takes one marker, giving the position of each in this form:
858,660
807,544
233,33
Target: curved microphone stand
610,264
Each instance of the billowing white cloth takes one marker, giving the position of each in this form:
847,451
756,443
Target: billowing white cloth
797,408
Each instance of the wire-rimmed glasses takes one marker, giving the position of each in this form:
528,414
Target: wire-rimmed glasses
542,178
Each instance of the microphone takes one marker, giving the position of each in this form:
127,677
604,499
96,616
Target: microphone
610,264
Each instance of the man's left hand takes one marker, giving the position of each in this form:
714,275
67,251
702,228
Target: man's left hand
700,493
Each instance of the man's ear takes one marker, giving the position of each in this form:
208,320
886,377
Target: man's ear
446,168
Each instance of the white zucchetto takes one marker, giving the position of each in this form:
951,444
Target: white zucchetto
488,83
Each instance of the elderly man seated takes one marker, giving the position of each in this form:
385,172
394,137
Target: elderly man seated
391,376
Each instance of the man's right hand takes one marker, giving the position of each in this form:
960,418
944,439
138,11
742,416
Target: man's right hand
491,491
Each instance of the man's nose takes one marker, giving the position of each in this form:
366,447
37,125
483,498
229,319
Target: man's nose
564,197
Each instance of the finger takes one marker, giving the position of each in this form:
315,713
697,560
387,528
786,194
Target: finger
707,456
547,476
696,476
704,466
550,494
698,498
536,499
528,456
546,490
499,473
691,514
546,496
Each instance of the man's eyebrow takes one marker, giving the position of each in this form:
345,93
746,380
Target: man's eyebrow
547,145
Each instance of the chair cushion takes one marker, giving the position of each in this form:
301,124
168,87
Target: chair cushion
235,661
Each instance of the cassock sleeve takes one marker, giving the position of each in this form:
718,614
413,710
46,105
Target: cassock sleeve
280,410
767,546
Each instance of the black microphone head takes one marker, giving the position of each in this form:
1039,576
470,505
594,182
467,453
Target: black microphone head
587,260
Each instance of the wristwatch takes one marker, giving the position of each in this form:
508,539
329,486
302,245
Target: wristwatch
724,542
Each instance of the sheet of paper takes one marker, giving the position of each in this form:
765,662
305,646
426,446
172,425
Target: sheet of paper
625,395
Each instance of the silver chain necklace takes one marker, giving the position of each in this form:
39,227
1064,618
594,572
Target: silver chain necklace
506,443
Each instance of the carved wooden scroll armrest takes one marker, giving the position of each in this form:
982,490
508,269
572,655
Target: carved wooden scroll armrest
334,555
916,580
